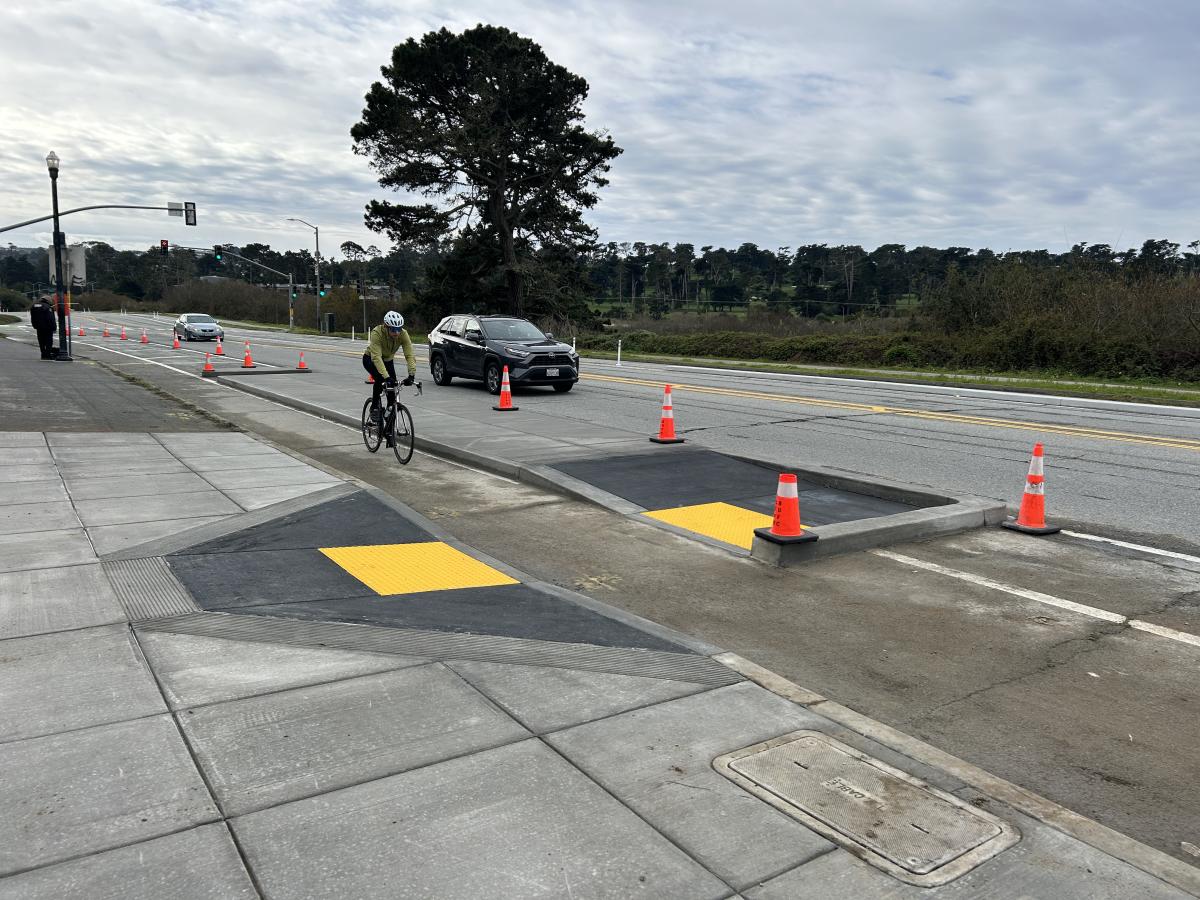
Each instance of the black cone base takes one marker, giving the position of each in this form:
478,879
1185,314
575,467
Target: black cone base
1012,525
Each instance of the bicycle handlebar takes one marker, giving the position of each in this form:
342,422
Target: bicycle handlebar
392,389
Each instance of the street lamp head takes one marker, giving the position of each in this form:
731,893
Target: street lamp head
52,161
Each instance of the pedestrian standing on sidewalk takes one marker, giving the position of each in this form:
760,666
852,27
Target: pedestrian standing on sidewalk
41,316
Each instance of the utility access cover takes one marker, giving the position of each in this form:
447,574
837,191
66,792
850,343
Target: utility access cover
913,831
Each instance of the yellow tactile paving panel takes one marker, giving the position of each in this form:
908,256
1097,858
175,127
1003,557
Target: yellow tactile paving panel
722,521
412,568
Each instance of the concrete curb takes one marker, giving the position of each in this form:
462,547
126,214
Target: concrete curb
866,534
1126,849
950,513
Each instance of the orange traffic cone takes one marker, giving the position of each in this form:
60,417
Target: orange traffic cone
785,527
145,338
302,366
208,371
248,363
106,334
506,404
666,427
124,336
220,351
81,331
1032,517
175,341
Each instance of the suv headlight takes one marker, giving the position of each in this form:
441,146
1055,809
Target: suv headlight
518,352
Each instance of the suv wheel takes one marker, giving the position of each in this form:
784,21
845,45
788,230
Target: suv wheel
563,386
438,367
491,377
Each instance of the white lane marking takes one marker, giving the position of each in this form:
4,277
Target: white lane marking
145,359
1149,627
1163,631
302,412
980,580
1140,547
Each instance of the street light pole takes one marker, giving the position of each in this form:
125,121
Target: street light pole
60,300
316,264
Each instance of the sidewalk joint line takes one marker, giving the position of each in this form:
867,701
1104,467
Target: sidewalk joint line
191,751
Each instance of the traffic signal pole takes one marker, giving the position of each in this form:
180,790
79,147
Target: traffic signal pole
219,251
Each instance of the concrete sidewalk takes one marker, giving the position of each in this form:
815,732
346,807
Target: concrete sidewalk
153,749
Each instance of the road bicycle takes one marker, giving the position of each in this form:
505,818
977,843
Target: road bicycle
395,426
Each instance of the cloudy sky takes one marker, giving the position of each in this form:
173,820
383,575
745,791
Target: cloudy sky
1007,125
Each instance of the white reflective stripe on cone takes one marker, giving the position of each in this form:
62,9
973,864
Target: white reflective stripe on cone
1035,466
1038,488
787,490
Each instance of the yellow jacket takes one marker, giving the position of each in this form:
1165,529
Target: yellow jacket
383,347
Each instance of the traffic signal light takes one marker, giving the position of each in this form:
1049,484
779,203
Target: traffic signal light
164,247
361,292
217,252
295,293
321,290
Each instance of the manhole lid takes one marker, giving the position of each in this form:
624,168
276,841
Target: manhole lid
898,823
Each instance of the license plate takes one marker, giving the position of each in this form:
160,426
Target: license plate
552,373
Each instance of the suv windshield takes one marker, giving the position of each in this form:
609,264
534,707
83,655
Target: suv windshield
198,319
512,330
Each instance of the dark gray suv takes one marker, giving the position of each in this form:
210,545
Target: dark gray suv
480,346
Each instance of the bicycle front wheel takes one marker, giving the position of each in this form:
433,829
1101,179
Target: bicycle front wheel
403,435
371,432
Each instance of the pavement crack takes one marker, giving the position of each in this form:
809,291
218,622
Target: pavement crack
1089,644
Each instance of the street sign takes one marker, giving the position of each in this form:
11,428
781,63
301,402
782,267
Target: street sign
174,209
189,213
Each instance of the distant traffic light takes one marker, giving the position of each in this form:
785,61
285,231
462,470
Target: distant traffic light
217,252
361,291
321,290
164,247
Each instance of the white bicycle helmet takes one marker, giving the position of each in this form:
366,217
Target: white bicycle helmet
393,319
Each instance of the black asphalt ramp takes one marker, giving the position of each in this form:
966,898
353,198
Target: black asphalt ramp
692,476
515,610
278,569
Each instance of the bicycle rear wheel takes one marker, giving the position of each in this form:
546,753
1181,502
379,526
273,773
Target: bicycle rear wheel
403,435
371,432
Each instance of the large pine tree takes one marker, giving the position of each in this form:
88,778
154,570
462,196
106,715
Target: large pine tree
487,128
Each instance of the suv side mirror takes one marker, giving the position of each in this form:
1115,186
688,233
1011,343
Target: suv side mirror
549,336
475,335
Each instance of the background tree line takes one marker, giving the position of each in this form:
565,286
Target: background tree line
1089,311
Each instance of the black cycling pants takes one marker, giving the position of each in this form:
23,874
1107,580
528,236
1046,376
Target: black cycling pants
377,387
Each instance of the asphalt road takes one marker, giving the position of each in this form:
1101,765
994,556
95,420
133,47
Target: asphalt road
1097,716
1125,470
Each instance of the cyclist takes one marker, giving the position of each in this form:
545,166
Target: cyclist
384,340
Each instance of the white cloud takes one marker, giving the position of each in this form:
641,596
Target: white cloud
1006,125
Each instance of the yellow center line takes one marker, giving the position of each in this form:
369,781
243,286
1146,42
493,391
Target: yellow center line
953,418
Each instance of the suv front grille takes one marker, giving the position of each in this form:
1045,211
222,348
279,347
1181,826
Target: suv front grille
550,359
